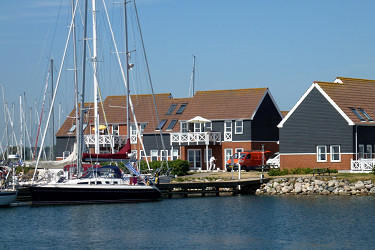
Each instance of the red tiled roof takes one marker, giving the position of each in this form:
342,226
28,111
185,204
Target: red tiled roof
352,93
212,105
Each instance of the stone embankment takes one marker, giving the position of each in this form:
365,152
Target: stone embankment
315,186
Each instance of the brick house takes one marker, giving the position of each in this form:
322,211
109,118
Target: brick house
331,126
241,119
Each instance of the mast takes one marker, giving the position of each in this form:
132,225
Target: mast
80,129
127,55
95,56
75,80
53,116
192,80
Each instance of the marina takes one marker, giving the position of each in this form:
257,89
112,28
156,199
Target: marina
231,222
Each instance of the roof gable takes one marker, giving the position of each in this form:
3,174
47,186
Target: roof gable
315,86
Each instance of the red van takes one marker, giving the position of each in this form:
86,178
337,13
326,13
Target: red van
248,160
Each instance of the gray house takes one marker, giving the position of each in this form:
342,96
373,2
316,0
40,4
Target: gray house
331,126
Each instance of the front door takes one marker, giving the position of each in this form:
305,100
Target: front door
195,159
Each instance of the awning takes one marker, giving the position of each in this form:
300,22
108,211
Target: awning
198,119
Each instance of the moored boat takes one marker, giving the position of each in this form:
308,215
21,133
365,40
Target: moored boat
7,196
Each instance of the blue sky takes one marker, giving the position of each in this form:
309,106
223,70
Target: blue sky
283,45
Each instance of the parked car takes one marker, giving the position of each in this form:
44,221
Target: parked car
248,160
274,161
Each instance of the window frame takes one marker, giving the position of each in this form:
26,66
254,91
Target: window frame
171,125
184,128
240,127
171,108
319,154
368,153
333,153
181,109
361,152
152,154
161,124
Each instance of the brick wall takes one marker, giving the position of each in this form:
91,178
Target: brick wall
309,161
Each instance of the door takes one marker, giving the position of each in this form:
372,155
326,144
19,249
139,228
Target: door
195,158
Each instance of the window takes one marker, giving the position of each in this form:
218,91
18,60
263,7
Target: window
239,127
209,155
208,126
361,151
184,127
321,153
115,129
134,154
198,127
238,150
154,154
181,109
358,114
163,155
142,155
364,113
228,152
171,109
161,124
174,154
368,151
171,125
335,153
71,130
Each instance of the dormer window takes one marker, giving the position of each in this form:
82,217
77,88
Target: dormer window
355,111
181,109
161,124
364,113
71,130
171,109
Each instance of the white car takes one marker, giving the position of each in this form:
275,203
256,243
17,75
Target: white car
274,161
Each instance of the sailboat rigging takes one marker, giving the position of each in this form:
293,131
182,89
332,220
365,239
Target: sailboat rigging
97,184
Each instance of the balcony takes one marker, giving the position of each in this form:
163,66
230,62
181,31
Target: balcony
362,165
105,140
195,138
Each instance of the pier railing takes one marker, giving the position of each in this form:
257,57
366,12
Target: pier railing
362,165
195,138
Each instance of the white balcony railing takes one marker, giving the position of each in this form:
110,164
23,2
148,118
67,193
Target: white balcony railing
195,138
105,140
362,165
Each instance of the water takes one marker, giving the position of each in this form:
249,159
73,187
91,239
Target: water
238,222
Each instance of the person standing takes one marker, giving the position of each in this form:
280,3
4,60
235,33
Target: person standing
212,163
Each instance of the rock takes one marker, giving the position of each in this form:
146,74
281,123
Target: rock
325,192
368,186
284,190
347,188
331,189
298,188
359,185
343,192
332,183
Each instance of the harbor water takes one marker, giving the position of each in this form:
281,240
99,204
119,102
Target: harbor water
233,222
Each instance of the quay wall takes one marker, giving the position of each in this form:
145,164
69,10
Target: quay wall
315,186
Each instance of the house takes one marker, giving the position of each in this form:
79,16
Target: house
234,120
331,126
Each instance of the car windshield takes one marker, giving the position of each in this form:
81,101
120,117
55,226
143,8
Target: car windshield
242,155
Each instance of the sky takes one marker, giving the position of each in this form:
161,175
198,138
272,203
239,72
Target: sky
282,45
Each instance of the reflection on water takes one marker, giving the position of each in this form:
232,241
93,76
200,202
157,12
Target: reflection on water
239,222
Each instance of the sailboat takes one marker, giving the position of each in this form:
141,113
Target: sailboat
7,194
98,184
